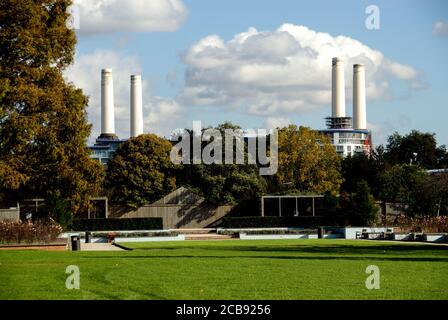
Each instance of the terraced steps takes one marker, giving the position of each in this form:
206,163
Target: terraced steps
195,231
208,236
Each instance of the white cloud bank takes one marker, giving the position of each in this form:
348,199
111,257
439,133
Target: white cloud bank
286,71
440,28
160,113
103,16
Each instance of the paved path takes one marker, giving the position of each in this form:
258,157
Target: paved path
99,247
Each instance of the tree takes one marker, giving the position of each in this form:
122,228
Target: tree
223,184
367,167
43,123
307,161
430,196
361,209
401,182
415,148
436,188
141,171
57,209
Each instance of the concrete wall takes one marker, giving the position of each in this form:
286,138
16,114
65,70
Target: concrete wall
244,236
10,214
181,209
350,232
392,210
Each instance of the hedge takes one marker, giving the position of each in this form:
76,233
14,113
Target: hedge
117,224
270,222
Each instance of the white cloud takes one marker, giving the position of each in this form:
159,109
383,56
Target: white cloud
163,115
286,71
276,122
382,130
159,112
102,16
440,28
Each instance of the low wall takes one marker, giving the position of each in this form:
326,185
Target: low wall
10,214
179,237
350,232
244,236
436,237
402,236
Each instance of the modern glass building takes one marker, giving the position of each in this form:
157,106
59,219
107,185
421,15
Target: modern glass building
105,147
346,140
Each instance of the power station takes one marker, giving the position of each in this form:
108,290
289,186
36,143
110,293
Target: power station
107,143
348,135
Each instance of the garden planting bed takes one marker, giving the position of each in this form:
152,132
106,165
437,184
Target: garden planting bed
46,247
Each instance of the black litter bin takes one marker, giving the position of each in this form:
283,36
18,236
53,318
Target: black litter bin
88,236
76,243
320,233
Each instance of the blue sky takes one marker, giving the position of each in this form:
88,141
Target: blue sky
177,78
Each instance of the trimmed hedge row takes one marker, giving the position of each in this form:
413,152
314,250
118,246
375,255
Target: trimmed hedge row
270,222
117,224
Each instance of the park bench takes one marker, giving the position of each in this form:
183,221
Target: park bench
364,234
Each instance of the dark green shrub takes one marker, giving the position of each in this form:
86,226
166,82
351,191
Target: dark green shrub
270,222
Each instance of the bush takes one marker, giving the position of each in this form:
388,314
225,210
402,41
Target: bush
136,234
117,224
57,209
270,222
422,224
16,232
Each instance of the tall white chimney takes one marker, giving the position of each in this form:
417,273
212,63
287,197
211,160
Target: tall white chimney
337,88
136,106
107,103
359,97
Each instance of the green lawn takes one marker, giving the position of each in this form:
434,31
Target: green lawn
281,269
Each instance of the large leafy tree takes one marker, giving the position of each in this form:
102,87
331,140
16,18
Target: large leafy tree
361,209
307,161
367,167
141,171
424,194
416,148
223,183
401,182
43,124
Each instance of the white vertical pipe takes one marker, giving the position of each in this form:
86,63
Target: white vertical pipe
136,106
107,102
359,97
337,88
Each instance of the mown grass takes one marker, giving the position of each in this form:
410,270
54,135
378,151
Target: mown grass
279,269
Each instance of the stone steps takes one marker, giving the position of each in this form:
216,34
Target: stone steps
209,236
198,231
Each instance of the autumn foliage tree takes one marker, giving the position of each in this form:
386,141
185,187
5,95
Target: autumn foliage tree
43,124
307,161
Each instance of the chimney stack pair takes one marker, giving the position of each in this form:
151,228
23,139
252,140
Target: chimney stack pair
107,105
359,93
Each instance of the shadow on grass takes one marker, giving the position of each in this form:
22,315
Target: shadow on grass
319,249
376,258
